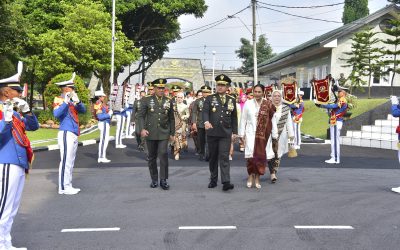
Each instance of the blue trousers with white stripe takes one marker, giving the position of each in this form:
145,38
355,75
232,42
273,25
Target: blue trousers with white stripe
335,140
68,144
12,182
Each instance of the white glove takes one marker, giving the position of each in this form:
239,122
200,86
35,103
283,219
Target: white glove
67,97
394,100
75,97
22,105
121,110
8,111
110,112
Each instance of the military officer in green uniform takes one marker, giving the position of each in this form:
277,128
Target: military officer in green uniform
157,125
221,125
198,123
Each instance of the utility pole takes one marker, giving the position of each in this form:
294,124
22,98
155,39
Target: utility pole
253,3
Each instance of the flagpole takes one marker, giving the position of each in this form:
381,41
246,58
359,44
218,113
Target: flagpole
112,47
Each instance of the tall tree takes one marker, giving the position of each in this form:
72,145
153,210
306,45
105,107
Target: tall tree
12,30
365,58
394,49
153,24
245,52
354,10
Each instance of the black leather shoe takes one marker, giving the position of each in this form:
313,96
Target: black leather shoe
212,184
164,184
154,184
227,186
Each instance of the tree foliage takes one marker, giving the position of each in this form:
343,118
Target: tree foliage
245,52
75,37
12,32
365,59
394,1
153,24
354,10
394,41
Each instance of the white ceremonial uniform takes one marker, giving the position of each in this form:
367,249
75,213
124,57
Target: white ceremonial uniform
67,136
287,132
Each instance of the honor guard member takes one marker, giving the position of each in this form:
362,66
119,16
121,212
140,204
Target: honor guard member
103,115
121,116
16,153
157,124
128,126
336,112
198,123
297,116
221,124
66,109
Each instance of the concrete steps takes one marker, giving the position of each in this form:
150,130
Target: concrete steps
380,135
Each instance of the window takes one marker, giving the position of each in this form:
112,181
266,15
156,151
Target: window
317,72
309,77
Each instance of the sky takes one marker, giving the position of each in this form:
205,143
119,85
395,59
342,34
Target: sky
282,31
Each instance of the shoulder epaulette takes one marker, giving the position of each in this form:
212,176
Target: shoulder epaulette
231,96
97,106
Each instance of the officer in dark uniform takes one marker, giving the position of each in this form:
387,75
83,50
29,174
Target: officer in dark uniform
157,124
221,124
198,123
137,106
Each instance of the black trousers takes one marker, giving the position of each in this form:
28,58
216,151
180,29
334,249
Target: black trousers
201,137
218,148
158,149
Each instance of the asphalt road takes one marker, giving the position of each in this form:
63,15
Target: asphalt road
116,196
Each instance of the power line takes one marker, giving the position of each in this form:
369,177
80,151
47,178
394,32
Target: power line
302,7
310,18
216,22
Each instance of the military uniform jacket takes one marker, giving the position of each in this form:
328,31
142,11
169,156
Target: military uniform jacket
68,114
197,112
11,152
223,117
157,117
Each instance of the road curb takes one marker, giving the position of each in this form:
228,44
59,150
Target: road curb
306,139
81,143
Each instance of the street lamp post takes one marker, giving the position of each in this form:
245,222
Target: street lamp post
213,77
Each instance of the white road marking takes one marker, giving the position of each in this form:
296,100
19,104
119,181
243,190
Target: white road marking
208,228
73,230
323,227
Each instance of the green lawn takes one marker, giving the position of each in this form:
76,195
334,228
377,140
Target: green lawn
315,120
45,133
